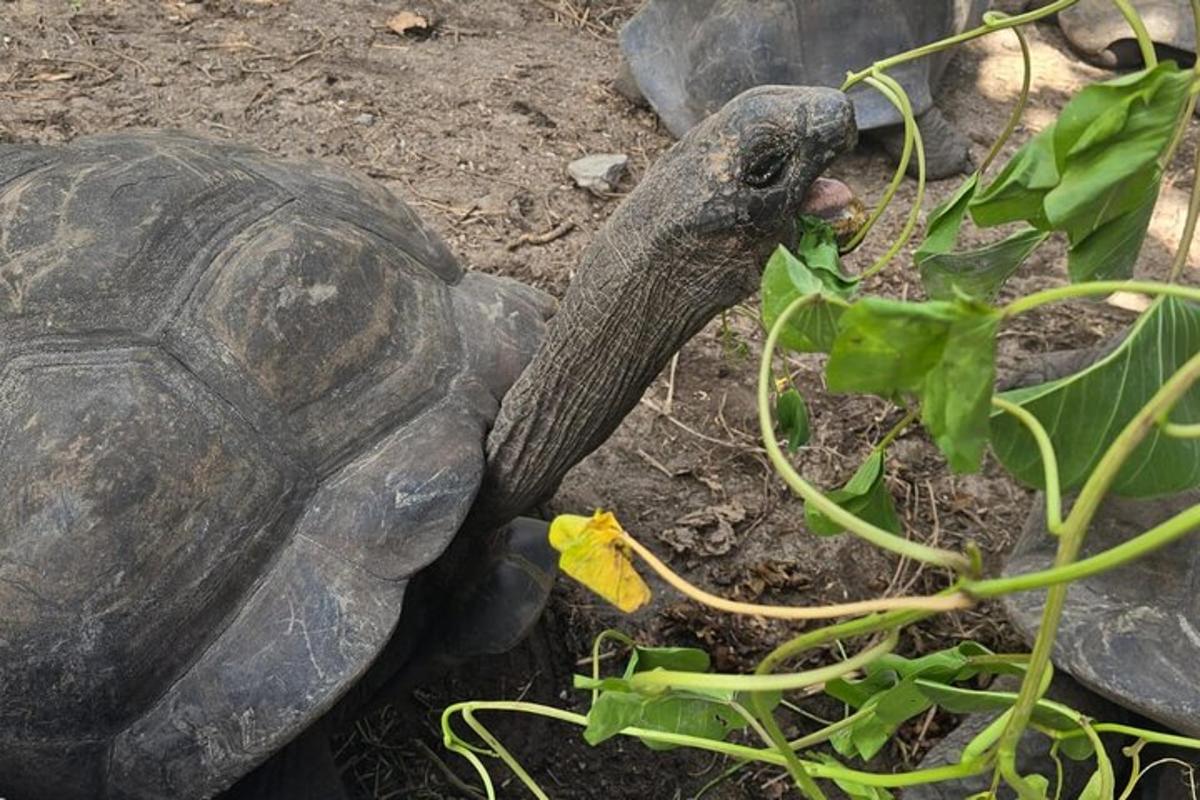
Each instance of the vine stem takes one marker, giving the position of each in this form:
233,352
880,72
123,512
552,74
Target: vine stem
794,647
950,603
1180,431
861,528
910,126
662,679
1074,530
1189,225
599,640
895,94
1076,290
1157,737
740,752
1018,111
1145,43
1049,460
1159,536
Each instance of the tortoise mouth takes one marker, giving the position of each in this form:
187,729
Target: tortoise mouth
834,202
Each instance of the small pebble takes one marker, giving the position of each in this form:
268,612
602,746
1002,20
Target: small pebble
365,119
599,173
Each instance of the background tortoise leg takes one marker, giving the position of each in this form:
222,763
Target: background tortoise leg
304,770
947,150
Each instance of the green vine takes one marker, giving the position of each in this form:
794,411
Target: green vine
936,361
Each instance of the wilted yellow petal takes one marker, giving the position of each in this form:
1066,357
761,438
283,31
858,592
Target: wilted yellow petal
594,554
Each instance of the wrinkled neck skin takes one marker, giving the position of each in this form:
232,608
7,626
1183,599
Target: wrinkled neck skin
638,296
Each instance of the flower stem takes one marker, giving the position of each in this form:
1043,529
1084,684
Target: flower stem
947,603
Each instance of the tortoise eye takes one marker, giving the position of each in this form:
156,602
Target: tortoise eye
765,168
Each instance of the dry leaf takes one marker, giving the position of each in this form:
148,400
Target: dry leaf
1129,301
406,23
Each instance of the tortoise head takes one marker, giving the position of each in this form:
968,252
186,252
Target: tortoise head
690,241
719,201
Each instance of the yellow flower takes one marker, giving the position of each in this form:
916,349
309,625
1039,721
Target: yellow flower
595,554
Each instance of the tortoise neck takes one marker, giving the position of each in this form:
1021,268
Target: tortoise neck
632,305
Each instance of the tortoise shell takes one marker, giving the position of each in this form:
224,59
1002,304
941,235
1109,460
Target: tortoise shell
688,57
242,402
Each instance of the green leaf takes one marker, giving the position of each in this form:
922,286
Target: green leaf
1039,784
945,351
701,718
978,273
705,714
865,495
1078,748
679,659
791,415
815,270
1083,413
957,400
1018,192
1107,142
888,346
951,664
943,666
1111,252
1094,173
958,700
863,739
1092,790
613,712
901,703
941,231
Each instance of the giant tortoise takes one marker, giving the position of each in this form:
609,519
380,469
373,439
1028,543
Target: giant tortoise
688,57
247,406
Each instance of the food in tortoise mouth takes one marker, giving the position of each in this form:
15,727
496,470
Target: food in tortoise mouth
266,443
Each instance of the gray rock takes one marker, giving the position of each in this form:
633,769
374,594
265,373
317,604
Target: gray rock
366,119
599,173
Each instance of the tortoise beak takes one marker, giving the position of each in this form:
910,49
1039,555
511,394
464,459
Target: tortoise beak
835,203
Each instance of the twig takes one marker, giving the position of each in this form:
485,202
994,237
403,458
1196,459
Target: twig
539,239
646,401
447,773
658,465
669,402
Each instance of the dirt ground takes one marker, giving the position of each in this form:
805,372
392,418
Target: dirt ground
474,125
